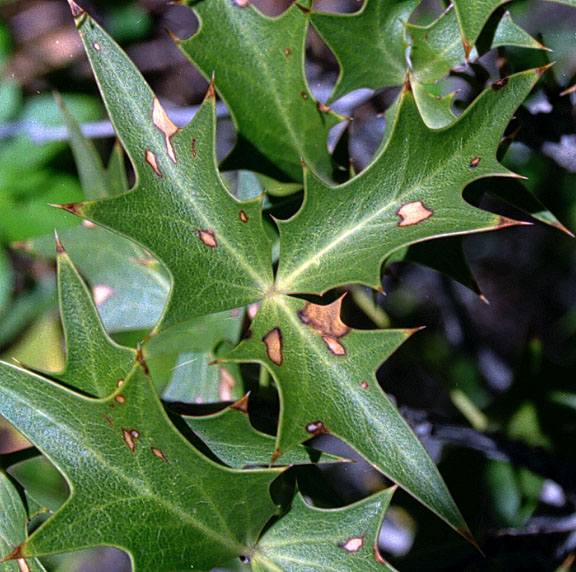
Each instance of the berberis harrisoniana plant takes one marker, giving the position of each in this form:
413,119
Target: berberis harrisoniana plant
138,479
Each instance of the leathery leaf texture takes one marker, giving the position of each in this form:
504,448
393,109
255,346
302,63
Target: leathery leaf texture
134,480
106,430
219,258
314,540
325,374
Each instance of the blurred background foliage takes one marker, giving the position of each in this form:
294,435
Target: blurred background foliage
489,388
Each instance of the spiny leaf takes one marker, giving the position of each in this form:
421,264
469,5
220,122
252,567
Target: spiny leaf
178,185
508,33
472,15
278,119
378,29
325,374
124,459
436,110
309,539
13,527
232,438
411,192
94,363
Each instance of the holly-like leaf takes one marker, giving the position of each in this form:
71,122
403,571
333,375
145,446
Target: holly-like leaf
94,363
13,527
325,375
278,119
472,15
232,438
508,33
178,186
378,29
436,110
411,192
309,539
124,459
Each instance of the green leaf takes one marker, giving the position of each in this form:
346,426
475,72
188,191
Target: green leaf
436,48
5,281
178,184
508,33
88,162
13,527
325,375
278,119
94,363
232,438
436,110
132,286
411,192
378,29
124,459
309,539
472,15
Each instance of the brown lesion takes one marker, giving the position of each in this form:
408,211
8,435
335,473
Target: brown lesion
141,359
353,544
413,213
316,428
287,52
130,436
501,83
273,342
194,150
327,322
475,162
159,454
242,404
152,160
243,217
208,237
226,385
166,126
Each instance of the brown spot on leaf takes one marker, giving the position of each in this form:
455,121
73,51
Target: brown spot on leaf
23,565
164,123
194,151
120,399
226,385
498,85
208,237
59,248
364,385
287,52
326,321
467,49
353,544
76,10
322,107
413,213
159,454
242,404
241,3
73,208
152,160
316,428
128,439
101,293
141,359
120,383
243,216
97,46
276,455
407,87
303,95
109,421
475,162
334,345
273,342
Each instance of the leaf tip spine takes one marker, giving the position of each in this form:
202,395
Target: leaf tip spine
73,208
211,92
60,250
172,35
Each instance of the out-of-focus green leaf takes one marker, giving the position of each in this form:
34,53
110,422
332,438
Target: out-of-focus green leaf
13,527
5,281
309,539
268,95
325,375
